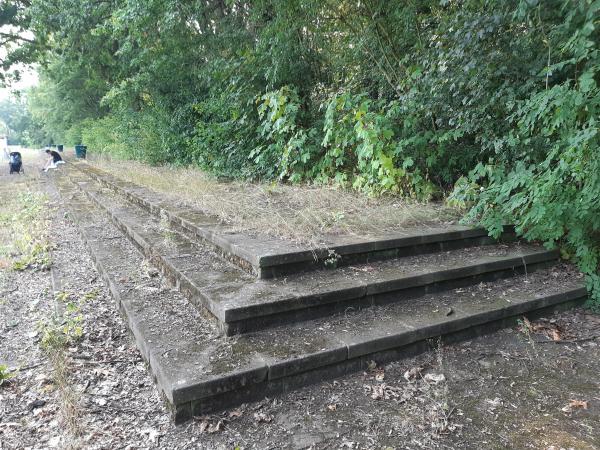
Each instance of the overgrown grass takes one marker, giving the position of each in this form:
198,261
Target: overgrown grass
25,245
304,213
23,230
24,242
59,332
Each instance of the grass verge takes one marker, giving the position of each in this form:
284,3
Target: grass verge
59,332
24,240
304,213
25,244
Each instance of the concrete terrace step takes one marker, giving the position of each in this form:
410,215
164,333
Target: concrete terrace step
269,257
242,303
199,371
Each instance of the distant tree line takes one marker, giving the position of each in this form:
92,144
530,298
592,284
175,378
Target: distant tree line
17,123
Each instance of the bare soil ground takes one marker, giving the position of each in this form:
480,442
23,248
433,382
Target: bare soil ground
534,386
303,213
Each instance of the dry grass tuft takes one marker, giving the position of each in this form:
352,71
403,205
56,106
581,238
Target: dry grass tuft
303,213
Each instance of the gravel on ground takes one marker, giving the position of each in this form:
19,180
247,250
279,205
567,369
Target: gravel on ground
532,386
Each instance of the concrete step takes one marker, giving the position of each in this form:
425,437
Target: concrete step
242,303
199,371
269,257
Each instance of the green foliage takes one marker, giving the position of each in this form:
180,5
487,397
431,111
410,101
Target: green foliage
62,329
551,189
497,98
61,334
34,255
91,295
17,122
286,149
5,374
362,149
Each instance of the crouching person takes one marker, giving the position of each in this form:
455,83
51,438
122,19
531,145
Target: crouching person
54,159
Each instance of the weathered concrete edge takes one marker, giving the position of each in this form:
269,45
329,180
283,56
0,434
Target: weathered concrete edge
262,263
342,350
276,377
123,306
230,315
390,286
336,362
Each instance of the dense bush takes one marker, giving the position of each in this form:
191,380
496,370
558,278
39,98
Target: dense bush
497,97
550,190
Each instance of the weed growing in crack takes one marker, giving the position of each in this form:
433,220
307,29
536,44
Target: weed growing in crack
63,296
148,270
332,260
525,329
439,394
165,228
5,374
91,295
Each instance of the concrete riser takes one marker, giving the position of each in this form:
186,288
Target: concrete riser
383,255
318,258
326,308
268,388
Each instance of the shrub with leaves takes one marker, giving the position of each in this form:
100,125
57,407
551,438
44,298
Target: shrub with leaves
551,189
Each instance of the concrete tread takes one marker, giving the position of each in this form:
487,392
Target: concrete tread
199,371
237,299
269,256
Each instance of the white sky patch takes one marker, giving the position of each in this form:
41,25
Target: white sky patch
29,76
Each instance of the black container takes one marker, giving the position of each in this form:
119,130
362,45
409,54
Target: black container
80,151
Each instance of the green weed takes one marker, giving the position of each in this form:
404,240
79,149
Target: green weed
62,330
5,374
91,295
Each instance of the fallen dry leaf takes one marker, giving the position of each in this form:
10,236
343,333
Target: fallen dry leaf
434,377
215,427
209,426
383,392
550,329
235,413
413,373
579,404
261,417
575,404
332,407
495,402
555,334
203,426
153,434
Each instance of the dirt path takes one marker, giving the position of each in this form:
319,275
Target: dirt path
512,389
